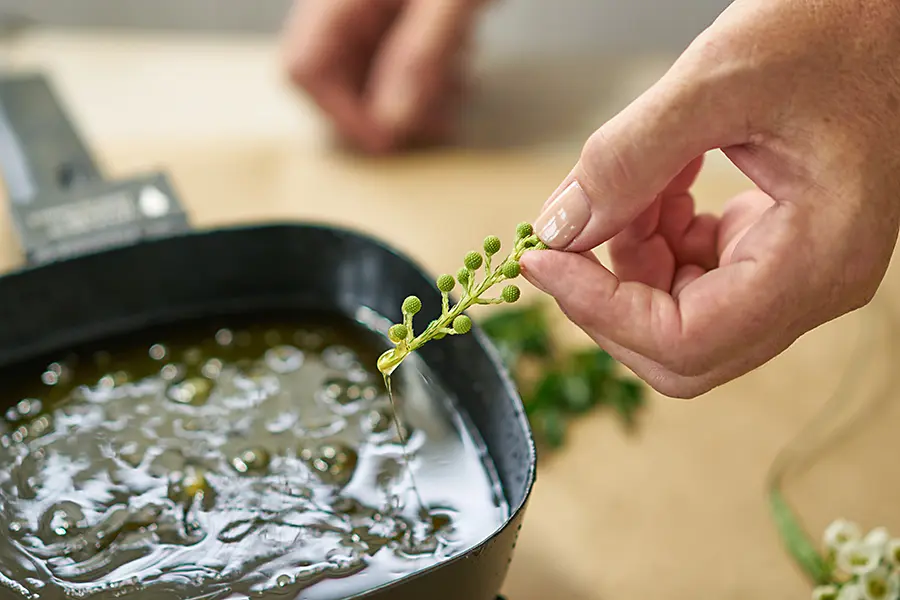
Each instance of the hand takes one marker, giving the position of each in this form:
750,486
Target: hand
802,96
386,72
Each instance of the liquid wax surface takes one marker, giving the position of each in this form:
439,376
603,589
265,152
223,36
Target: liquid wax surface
232,460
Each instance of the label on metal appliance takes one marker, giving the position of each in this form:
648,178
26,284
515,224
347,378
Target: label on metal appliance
96,216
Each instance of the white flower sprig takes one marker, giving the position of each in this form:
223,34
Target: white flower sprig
862,567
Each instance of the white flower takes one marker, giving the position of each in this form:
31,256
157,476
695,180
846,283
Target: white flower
840,532
825,592
858,558
880,585
850,591
892,552
878,537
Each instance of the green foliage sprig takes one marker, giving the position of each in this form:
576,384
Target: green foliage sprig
555,385
453,321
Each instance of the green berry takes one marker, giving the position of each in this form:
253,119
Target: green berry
510,293
462,324
472,261
446,283
463,276
523,230
511,269
397,333
491,245
411,305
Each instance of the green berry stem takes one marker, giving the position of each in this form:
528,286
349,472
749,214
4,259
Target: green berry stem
407,320
447,323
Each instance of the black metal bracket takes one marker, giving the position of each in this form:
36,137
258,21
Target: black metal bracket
60,202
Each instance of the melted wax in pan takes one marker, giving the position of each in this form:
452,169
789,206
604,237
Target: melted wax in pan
253,461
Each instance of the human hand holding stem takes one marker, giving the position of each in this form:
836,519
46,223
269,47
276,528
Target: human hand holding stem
453,321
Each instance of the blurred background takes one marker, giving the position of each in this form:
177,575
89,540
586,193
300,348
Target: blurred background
521,46
675,508
513,26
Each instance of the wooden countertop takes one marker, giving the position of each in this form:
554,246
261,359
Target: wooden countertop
676,512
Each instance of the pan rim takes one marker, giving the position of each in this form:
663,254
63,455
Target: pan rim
481,338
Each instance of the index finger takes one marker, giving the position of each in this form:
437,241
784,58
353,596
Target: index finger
713,316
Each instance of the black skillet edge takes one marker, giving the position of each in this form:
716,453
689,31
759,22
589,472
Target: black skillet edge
481,369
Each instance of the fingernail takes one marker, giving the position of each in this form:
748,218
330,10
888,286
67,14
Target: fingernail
564,218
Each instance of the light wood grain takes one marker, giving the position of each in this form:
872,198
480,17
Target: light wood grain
677,511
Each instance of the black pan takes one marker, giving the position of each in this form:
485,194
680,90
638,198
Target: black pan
109,258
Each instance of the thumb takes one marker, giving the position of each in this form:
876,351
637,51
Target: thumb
633,157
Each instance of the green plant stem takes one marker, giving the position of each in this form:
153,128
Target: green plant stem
833,420
795,539
392,358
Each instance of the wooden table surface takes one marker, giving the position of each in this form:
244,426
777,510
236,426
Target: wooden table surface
676,512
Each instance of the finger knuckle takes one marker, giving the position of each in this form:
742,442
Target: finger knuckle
684,363
425,75
579,311
866,272
420,68
676,387
860,272
709,50
861,297
620,250
600,156
305,68
707,78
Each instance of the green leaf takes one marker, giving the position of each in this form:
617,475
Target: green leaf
594,367
531,407
598,368
796,541
546,412
524,329
572,385
509,353
549,391
552,426
595,361
627,398
577,392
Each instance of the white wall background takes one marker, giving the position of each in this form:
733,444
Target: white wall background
554,26
609,26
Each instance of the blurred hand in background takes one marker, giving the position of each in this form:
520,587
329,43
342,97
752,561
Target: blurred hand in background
803,97
387,73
